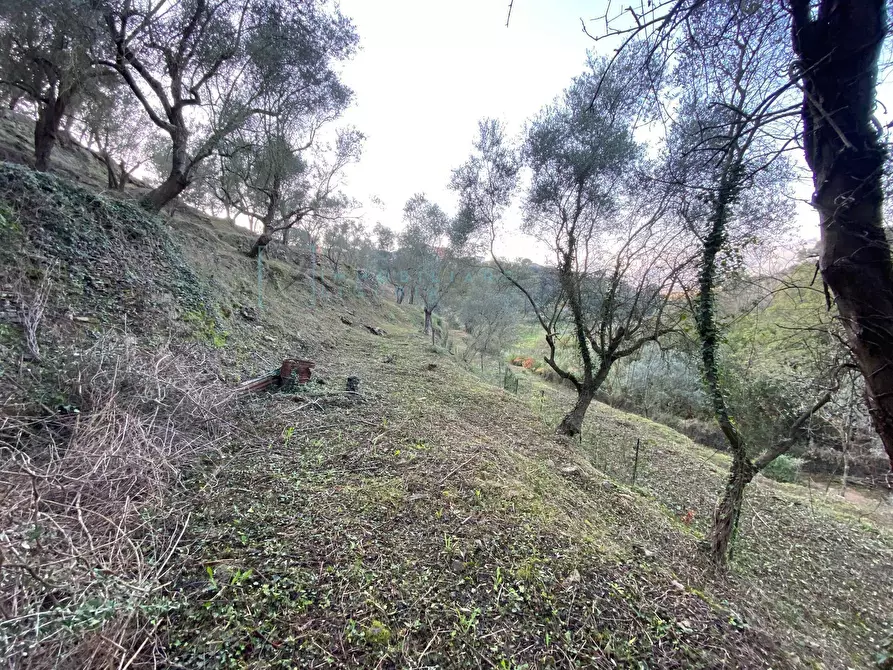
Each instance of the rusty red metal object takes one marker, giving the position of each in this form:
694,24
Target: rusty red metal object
292,371
295,370
259,384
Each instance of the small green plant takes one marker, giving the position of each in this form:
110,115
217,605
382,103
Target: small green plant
526,571
376,633
205,328
8,219
785,468
286,435
508,664
240,576
497,579
468,619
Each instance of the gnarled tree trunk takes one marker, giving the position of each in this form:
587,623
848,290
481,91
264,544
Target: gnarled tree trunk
179,178
839,52
114,181
259,244
170,188
728,509
268,230
46,131
572,423
428,326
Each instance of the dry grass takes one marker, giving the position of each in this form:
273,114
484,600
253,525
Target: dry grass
32,308
87,528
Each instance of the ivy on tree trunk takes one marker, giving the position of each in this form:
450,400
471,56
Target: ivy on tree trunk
728,510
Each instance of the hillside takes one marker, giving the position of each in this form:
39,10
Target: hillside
153,518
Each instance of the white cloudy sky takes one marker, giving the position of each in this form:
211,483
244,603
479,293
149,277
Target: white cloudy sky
428,70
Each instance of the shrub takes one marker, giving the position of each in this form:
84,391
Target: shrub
784,469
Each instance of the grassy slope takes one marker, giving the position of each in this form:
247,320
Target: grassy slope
811,566
437,522
431,523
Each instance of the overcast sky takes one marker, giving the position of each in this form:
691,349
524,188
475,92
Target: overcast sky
428,71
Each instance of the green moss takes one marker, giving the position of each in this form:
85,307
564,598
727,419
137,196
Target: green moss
376,633
205,328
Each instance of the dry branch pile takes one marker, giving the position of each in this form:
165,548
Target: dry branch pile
86,529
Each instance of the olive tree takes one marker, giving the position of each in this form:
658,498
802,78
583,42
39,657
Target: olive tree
831,66
430,261
345,241
277,172
111,122
201,69
385,237
615,261
725,154
490,309
837,53
48,49
393,264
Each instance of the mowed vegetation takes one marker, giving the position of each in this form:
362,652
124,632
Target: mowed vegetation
663,443
433,520
465,534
